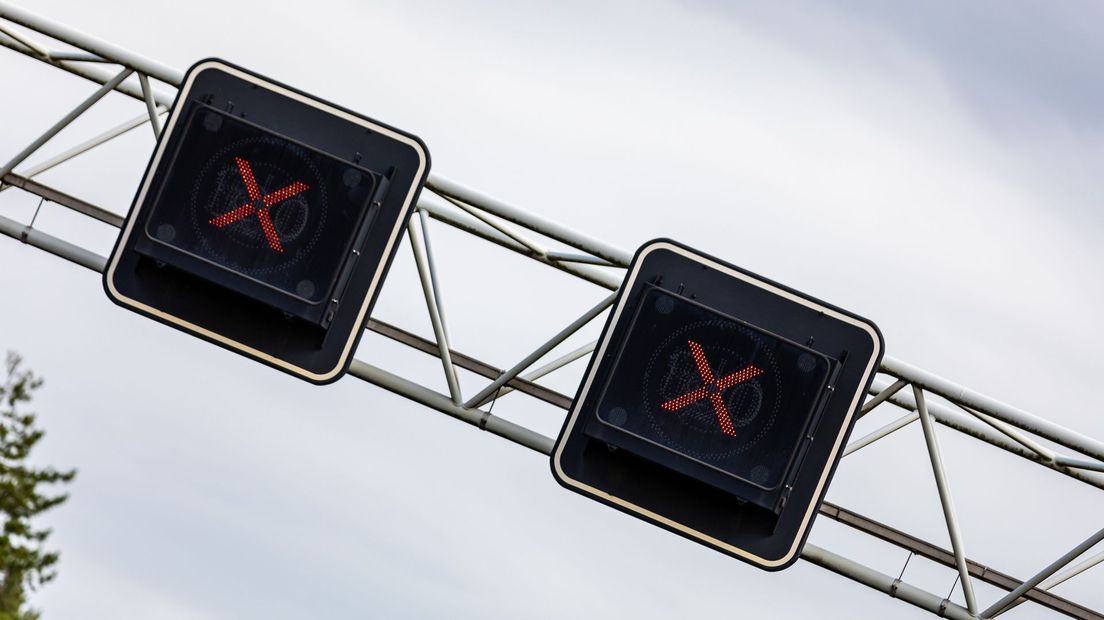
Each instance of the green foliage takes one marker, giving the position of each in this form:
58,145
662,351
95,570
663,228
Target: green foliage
25,564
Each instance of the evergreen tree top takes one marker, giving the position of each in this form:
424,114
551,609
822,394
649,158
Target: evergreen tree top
25,563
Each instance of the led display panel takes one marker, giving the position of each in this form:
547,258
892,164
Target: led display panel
728,397
266,220
716,404
275,218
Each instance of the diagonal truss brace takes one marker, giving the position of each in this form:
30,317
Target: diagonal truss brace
945,499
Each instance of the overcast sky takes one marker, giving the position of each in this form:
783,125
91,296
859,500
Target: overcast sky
936,168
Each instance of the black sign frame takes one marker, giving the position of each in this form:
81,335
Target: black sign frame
591,458
313,341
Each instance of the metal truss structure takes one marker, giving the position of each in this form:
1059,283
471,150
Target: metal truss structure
917,394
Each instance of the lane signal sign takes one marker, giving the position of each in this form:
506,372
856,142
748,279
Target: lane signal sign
266,221
717,404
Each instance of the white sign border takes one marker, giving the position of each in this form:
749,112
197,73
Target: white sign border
600,352
139,202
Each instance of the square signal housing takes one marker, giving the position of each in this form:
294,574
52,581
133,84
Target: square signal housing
717,404
266,221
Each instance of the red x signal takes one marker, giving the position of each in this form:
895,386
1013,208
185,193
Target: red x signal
712,388
259,204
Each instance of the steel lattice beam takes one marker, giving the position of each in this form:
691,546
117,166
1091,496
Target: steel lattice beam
563,248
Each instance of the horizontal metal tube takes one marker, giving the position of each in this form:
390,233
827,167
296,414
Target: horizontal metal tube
1006,413
958,421
880,581
1014,434
573,257
469,363
435,400
479,229
1065,461
942,556
61,198
94,74
533,222
88,43
26,41
76,56
52,244
509,231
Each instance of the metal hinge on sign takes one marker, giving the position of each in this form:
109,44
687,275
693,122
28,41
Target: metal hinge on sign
358,243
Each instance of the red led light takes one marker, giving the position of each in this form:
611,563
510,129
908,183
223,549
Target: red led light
261,210
712,388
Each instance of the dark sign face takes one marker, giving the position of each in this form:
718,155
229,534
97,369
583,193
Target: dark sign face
266,221
716,404
249,202
713,389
